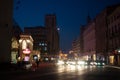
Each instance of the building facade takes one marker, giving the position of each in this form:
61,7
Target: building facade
52,34
76,48
6,18
102,32
82,28
46,39
26,47
39,35
89,41
102,36
16,32
113,21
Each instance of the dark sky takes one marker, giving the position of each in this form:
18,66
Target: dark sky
71,14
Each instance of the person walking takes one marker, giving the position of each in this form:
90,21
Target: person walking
37,61
34,65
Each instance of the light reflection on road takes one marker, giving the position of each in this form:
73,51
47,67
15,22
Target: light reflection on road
74,68
73,72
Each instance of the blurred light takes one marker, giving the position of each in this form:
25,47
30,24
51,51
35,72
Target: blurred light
26,58
81,62
35,57
20,41
119,51
19,58
103,63
58,29
26,51
60,62
28,41
46,59
98,63
71,62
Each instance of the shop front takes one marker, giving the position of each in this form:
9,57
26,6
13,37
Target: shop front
114,57
26,47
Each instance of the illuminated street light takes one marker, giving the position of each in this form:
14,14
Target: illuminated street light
119,51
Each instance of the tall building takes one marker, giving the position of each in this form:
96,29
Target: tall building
82,28
113,34
52,34
101,28
76,47
46,39
38,34
6,18
89,41
102,36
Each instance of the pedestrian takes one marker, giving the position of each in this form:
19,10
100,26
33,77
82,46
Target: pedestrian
37,63
34,65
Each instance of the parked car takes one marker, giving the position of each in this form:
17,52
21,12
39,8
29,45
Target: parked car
97,63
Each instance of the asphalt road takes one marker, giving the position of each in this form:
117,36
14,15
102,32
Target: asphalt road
63,72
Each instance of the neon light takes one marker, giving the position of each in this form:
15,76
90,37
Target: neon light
26,51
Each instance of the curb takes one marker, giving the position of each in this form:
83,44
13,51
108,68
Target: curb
117,67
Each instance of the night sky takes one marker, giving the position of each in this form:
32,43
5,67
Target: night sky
71,14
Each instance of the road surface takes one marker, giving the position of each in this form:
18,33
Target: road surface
63,72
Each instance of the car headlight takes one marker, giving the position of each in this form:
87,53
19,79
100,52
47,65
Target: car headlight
103,63
60,62
81,62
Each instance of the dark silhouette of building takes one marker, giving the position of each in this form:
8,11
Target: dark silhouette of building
52,34
6,18
82,28
107,36
16,30
113,35
101,28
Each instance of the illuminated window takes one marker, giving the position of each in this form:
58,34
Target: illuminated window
39,44
45,48
24,44
42,44
14,44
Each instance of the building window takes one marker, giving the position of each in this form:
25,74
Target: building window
14,44
24,44
45,49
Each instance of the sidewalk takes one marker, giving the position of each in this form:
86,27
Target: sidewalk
5,67
113,66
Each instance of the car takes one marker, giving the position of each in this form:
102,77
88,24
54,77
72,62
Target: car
97,63
100,63
71,62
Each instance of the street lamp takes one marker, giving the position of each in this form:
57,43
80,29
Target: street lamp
119,51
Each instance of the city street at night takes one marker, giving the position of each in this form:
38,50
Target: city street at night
48,71
60,40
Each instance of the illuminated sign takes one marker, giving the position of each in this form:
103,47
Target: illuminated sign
26,51
26,58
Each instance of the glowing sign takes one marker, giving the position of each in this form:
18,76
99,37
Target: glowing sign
26,58
26,51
